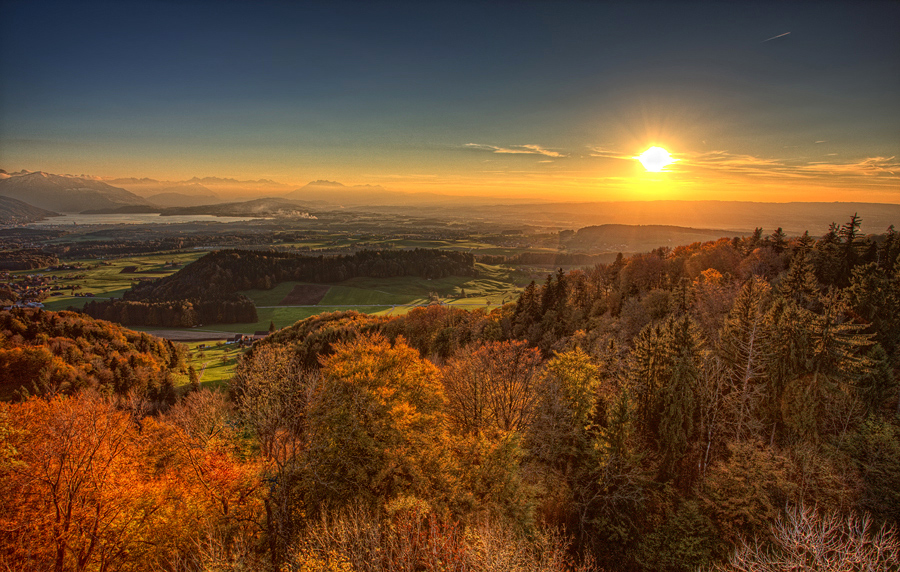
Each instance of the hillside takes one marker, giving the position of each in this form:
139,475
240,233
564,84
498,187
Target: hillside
670,411
636,238
66,194
62,352
264,207
13,211
227,271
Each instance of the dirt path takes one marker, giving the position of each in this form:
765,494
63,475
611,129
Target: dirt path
191,335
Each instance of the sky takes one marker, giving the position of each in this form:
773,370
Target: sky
788,101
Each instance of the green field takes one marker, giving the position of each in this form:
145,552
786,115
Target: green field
494,286
105,279
214,363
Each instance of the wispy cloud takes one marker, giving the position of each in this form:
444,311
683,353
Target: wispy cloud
608,153
516,149
757,166
775,37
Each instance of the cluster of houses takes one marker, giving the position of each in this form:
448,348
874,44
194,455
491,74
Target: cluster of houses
242,340
66,267
246,340
29,290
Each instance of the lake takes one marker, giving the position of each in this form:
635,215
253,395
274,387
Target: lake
143,218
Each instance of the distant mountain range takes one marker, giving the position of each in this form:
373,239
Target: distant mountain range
340,194
85,193
65,193
207,186
71,194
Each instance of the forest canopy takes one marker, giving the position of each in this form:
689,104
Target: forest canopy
727,405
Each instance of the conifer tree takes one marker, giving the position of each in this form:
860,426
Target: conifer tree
778,240
788,349
679,423
805,243
877,384
835,361
799,284
889,250
848,234
663,380
828,260
742,348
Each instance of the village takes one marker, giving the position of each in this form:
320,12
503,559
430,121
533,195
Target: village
31,290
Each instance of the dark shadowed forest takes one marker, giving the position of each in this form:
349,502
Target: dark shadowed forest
724,405
205,292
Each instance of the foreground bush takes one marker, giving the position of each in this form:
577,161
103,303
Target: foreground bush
409,540
806,539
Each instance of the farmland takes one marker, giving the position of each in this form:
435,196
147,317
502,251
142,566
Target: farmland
101,279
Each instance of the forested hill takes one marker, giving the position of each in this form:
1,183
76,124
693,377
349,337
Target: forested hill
45,353
13,211
637,238
224,272
206,291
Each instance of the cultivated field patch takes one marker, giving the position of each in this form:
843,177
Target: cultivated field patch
305,295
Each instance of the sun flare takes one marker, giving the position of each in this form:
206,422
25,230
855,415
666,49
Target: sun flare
655,159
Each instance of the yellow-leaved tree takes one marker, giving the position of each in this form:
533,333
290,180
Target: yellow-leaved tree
376,428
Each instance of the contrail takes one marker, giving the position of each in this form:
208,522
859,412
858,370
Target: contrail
774,37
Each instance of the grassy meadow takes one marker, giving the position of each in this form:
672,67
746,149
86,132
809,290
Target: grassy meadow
106,279
214,362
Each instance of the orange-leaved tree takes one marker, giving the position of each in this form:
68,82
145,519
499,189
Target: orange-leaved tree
90,486
74,497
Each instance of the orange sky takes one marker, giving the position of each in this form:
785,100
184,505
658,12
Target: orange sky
544,100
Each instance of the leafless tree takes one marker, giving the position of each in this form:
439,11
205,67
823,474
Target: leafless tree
807,539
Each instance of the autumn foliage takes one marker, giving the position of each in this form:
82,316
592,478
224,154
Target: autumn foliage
678,410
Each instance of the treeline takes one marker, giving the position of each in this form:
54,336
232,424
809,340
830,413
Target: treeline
26,259
45,353
124,246
546,259
205,291
174,314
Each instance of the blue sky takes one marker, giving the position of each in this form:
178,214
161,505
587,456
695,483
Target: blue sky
461,97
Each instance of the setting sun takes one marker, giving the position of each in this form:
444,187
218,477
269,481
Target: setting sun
655,159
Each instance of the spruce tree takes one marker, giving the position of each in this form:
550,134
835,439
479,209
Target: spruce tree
778,240
742,349
800,284
663,382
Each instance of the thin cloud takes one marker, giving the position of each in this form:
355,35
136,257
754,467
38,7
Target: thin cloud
756,166
608,153
775,37
516,150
